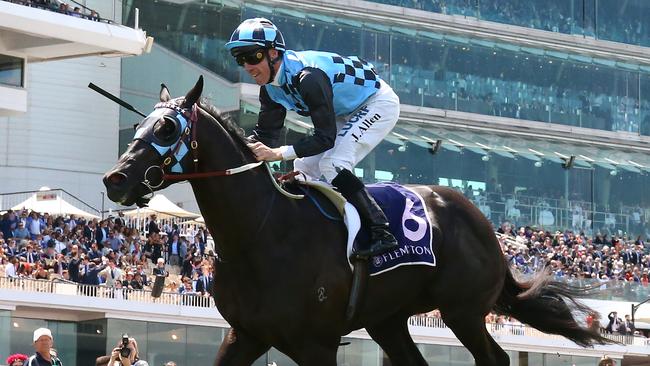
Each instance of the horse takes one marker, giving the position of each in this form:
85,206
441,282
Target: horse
282,278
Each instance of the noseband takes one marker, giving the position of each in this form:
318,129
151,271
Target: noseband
173,154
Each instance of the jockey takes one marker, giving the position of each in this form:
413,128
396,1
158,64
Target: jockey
351,107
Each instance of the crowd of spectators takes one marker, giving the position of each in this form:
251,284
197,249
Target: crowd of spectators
61,7
555,16
570,255
111,252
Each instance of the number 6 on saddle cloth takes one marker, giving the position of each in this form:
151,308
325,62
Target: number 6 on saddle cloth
408,220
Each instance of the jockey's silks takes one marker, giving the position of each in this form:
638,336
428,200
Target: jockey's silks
353,80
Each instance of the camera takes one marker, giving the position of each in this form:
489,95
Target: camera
125,351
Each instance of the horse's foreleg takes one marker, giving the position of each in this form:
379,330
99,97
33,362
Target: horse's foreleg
393,336
239,349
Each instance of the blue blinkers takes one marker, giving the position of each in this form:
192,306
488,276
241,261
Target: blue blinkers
173,148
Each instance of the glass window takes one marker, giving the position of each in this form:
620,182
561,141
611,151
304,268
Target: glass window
591,18
435,354
12,70
196,31
135,329
91,340
436,70
608,25
279,358
63,333
202,344
23,332
360,352
166,342
5,333
461,356
65,336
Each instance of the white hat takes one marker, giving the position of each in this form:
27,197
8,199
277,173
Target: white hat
38,333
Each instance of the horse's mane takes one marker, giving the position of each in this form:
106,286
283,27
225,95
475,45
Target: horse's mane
236,133
226,122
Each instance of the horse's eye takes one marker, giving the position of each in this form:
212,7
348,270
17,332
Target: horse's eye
164,129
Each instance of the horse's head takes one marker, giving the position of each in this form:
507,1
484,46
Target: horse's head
161,145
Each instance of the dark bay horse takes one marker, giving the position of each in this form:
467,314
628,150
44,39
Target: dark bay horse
283,279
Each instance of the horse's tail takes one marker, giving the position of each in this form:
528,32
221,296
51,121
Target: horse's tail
549,306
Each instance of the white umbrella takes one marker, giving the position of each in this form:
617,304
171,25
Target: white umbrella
51,203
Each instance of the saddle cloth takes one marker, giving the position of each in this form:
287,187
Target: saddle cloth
408,219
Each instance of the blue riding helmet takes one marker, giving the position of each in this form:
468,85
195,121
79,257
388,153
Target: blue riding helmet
259,32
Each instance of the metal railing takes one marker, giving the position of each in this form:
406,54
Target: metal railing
61,287
550,216
103,292
497,329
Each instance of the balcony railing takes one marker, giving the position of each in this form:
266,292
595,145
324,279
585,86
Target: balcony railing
103,292
195,300
497,330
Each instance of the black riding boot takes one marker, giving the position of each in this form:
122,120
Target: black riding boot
381,240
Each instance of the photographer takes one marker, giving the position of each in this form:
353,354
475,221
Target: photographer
126,353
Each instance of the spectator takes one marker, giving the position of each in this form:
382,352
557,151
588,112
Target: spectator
153,226
153,247
11,250
11,269
204,283
137,283
21,232
8,224
606,361
614,322
95,17
111,274
43,346
77,12
74,261
101,233
17,359
187,288
160,268
627,327
133,358
176,249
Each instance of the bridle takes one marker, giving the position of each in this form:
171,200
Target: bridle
172,155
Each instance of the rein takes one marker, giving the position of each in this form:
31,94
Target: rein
217,173
188,137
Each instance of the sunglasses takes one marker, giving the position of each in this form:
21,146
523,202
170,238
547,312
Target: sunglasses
251,58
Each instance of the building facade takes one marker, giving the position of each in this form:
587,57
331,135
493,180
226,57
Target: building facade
545,122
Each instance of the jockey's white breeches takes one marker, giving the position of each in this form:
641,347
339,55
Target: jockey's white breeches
357,134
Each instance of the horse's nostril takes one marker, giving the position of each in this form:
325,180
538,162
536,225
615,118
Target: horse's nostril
117,179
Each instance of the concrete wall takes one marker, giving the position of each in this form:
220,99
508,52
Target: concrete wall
69,135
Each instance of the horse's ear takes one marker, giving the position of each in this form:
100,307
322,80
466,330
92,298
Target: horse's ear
194,94
164,93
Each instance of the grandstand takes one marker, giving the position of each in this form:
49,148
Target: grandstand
539,113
